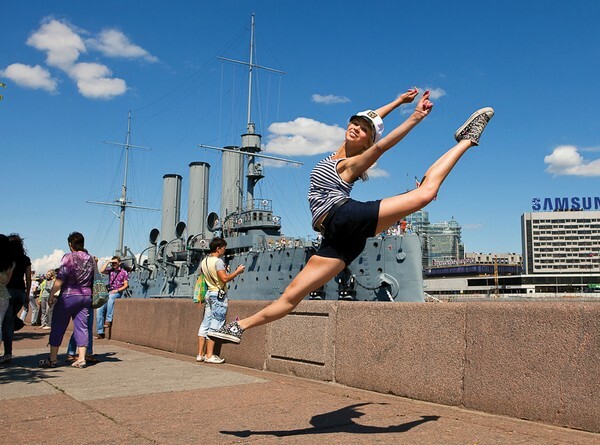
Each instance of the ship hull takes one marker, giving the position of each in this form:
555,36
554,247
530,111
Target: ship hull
388,269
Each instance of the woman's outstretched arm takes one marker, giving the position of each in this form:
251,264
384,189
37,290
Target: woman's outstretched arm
354,167
404,98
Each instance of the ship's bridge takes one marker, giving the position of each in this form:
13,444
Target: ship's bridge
258,215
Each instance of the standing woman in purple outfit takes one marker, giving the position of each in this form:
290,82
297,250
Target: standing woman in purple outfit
74,280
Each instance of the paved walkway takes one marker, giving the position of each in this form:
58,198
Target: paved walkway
137,395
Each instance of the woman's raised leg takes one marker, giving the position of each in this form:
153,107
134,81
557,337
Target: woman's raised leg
317,272
397,207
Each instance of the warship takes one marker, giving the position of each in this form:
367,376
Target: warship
389,269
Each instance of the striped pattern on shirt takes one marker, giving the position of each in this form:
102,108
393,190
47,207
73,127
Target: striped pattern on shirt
326,188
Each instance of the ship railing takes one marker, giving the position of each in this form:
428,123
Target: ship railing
254,218
431,299
260,204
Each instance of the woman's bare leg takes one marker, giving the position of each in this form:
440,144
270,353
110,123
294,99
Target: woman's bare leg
201,345
53,353
397,207
210,348
317,272
81,350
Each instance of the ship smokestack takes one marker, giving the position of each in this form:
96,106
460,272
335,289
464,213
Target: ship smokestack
198,198
170,206
231,183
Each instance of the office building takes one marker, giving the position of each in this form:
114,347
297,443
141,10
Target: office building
561,257
560,241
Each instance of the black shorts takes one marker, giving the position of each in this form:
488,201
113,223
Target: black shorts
347,230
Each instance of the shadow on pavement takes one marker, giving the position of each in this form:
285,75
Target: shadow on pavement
26,369
339,421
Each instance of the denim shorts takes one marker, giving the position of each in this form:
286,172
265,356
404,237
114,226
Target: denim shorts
347,230
215,311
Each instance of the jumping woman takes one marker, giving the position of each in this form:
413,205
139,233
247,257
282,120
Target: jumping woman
345,223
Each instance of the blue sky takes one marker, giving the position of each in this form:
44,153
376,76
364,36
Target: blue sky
74,71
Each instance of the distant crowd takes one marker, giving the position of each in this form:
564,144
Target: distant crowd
54,299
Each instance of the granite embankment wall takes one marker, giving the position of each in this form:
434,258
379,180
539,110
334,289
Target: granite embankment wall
537,361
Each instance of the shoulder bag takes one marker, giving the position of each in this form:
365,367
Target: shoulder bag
99,290
200,288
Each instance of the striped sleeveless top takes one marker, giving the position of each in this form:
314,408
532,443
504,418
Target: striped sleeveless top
326,188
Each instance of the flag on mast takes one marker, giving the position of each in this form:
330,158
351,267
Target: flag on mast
418,184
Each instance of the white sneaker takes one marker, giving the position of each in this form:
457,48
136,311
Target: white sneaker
200,358
46,327
214,359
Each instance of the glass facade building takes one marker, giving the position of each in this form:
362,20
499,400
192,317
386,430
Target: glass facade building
441,241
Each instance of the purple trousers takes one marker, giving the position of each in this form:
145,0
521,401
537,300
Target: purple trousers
69,307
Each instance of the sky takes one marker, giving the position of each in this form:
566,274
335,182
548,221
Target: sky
73,72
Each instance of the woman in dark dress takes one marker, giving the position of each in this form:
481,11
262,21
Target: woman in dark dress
18,287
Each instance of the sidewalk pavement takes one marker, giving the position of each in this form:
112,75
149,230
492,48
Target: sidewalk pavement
137,395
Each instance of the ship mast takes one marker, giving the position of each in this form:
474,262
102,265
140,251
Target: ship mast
256,214
249,120
254,171
253,146
122,202
123,199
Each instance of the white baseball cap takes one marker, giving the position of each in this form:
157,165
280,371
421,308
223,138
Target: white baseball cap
372,118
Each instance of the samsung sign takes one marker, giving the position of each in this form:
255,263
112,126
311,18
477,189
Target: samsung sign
575,203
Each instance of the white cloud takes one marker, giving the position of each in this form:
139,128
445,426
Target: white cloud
64,44
308,137
376,172
60,42
94,82
472,226
114,43
53,260
101,87
565,160
303,137
35,77
434,93
329,99
103,260
47,262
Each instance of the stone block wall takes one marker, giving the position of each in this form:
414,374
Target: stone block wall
532,360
